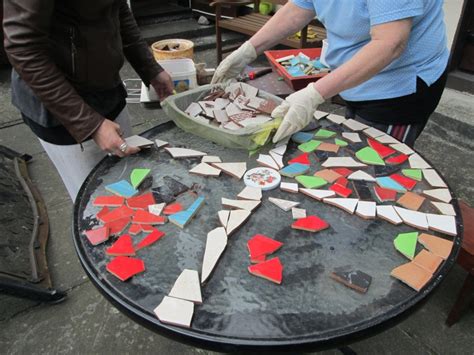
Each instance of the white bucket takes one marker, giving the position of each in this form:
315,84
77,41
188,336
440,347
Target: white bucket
324,50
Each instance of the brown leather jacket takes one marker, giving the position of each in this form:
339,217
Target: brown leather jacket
60,47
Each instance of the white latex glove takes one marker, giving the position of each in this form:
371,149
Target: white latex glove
234,64
297,111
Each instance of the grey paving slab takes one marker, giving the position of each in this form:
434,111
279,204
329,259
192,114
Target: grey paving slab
20,138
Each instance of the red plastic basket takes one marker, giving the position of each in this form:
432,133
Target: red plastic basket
296,83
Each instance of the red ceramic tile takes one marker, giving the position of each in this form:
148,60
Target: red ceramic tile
260,245
342,181
141,202
310,224
150,239
381,149
302,159
134,229
258,259
397,159
125,267
271,270
385,194
407,183
144,217
110,201
123,246
105,210
341,190
147,228
118,213
172,209
118,226
97,235
343,171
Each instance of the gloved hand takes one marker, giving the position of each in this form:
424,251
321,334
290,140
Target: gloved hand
297,111
234,64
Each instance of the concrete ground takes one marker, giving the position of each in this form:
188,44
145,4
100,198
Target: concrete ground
87,323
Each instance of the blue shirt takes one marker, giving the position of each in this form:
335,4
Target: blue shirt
348,24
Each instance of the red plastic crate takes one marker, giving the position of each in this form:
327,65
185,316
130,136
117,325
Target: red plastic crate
296,83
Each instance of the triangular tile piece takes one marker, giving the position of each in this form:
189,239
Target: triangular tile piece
444,208
328,147
384,195
118,213
122,188
407,183
144,217
172,208
411,201
110,201
402,148
387,139
234,169
124,267
319,114
175,311
388,183
302,159
341,190
310,224
147,228
397,159
311,182
289,187
417,162
328,174
381,149
298,213
373,132
441,223
138,141
318,194
347,162
340,142
104,211
428,261
413,218
156,209
159,143
324,133
442,195
293,170
177,153
267,160
261,245
137,176
285,205
215,245
414,174
354,125
118,226
355,279
405,243
362,176
436,245
247,205
97,235
205,169
343,171
278,159
280,150
352,137
122,247
211,159
433,178
413,275
389,214
337,119
271,270
366,209
181,219
236,219
223,217
151,238
347,204
301,137
309,146
250,193
187,287
141,202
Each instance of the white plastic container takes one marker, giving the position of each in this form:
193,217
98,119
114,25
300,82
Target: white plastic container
182,72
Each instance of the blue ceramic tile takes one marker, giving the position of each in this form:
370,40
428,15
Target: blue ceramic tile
294,170
388,183
302,137
122,188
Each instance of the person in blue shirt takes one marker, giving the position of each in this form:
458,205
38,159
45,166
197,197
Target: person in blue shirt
388,60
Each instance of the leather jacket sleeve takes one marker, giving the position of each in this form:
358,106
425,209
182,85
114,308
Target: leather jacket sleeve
26,26
135,48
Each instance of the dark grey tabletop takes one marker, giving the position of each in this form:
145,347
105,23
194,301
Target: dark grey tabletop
240,311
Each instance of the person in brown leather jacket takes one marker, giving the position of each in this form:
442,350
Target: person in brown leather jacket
66,57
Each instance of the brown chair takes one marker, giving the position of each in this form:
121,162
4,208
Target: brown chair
251,23
466,260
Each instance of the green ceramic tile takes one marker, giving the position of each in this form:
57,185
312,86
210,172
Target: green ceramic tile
415,174
311,182
324,133
341,143
137,176
369,156
310,146
405,243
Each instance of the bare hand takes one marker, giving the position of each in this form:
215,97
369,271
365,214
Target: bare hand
109,138
163,85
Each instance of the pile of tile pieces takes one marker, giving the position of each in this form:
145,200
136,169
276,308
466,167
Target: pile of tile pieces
236,107
302,65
